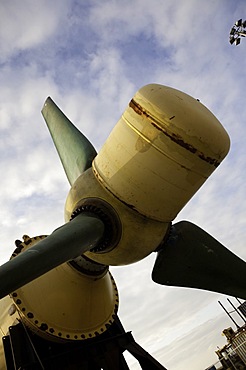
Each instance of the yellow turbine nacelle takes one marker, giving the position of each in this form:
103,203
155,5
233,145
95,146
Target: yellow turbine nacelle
161,151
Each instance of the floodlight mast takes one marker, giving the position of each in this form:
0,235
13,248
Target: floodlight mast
237,31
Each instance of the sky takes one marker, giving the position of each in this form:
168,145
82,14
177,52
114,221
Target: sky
91,57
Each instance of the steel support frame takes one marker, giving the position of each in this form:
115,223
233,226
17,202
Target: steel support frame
29,352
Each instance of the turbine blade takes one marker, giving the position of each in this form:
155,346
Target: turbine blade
65,243
75,150
192,258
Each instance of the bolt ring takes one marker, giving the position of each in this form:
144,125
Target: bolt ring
106,213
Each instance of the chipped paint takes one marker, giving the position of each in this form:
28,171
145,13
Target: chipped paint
163,148
174,137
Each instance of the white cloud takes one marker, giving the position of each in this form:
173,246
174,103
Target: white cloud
26,24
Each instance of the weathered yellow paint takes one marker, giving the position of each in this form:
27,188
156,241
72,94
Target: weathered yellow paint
161,151
65,304
8,317
139,235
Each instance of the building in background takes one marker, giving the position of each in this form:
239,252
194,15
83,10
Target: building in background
233,355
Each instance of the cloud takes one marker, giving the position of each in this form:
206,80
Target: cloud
28,24
182,353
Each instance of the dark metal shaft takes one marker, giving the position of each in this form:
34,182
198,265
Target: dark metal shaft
65,243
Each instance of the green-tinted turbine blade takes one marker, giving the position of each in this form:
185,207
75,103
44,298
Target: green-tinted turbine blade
75,150
192,258
65,243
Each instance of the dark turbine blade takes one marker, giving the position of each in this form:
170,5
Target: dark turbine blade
192,258
65,243
75,150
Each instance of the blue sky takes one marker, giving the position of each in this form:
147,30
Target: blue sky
91,57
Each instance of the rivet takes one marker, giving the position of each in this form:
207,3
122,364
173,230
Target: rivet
43,326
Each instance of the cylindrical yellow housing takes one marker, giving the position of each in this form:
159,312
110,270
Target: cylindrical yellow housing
163,148
161,151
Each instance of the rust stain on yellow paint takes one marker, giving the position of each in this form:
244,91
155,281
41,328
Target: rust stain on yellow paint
174,137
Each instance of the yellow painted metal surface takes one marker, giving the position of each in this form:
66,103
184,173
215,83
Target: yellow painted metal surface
8,317
160,152
139,235
66,304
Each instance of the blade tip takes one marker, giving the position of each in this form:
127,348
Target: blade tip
47,102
